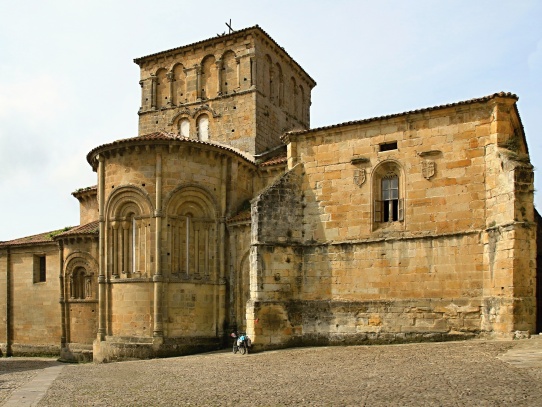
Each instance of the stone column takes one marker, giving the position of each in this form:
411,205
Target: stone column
171,81
101,250
158,278
115,252
154,79
206,248
221,246
238,66
125,248
62,295
9,303
196,249
143,104
198,82
253,70
219,66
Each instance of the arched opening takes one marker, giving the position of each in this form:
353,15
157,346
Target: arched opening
229,73
279,83
192,234
209,86
77,284
184,128
267,76
302,103
179,85
129,234
203,127
161,88
293,97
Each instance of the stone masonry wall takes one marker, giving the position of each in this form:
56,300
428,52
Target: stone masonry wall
35,308
440,254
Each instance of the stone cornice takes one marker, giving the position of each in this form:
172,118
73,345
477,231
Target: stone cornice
173,142
239,35
510,97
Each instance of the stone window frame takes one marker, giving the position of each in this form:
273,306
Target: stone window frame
80,269
195,210
198,118
388,169
179,126
39,268
128,208
81,285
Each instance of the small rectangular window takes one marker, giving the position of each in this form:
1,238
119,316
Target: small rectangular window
40,269
388,146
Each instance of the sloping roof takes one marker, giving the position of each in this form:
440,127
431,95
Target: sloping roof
91,228
47,237
162,136
240,217
225,37
86,189
391,116
281,159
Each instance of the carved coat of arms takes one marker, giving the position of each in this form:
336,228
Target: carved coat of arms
428,169
359,176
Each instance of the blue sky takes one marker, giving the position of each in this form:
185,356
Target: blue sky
68,82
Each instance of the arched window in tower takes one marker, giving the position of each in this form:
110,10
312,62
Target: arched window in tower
184,128
203,127
179,85
229,73
279,81
267,76
209,78
162,86
302,104
293,97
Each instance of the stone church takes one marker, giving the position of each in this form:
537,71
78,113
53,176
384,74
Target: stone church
228,212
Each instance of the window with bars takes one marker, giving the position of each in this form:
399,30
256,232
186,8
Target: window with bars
389,208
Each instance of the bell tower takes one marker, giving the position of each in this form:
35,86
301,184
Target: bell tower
239,89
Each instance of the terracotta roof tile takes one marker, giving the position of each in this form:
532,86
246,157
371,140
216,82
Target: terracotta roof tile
91,228
391,116
86,189
165,136
240,217
46,237
281,159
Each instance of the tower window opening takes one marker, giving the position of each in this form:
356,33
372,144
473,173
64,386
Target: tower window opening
388,146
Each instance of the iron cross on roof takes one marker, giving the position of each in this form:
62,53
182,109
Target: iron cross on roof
229,27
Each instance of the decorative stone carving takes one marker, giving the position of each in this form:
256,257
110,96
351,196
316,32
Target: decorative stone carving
360,176
428,169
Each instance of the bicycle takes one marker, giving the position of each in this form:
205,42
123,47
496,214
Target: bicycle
241,343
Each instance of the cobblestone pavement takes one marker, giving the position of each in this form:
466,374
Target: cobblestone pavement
16,372
481,373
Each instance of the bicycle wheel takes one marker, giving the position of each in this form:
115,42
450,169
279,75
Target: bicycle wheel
243,348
